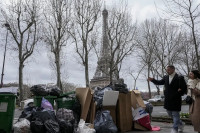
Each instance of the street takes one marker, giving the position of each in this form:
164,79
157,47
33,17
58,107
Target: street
160,111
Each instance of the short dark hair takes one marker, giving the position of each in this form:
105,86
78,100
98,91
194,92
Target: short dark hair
171,66
196,73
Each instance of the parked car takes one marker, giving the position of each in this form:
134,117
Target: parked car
26,103
157,98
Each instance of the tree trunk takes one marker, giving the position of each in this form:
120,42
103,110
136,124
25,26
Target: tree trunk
87,73
21,94
57,58
149,83
20,74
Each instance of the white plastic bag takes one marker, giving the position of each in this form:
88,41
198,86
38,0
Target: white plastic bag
139,113
22,126
83,128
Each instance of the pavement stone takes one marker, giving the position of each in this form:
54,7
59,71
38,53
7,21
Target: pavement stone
166,128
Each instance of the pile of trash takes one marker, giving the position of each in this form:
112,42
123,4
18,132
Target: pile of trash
43,90
86,111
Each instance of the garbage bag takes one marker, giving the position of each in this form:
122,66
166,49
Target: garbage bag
54,91
65,114
39,90
98,95
84,128
27,113
145,122
103,122
149,107
22,126
122,88
37,126
44,115
51,126
76,112
46,104
65,126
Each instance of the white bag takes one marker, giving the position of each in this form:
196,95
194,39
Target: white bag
138,113
22,126
83,128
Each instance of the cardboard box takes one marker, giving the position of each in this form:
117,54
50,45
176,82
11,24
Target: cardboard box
84,96
139,127
92,112
110,101
136,99
124,112
112,110
110,98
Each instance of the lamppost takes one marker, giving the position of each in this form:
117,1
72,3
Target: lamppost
4,57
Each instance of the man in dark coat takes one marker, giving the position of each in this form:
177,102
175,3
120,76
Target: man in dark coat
175,87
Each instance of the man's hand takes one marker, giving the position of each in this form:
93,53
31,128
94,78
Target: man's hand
149,79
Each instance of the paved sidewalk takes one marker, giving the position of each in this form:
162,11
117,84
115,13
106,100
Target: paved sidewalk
166,128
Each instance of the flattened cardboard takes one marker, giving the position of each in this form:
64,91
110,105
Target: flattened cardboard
139,127
110,98
92,112
84,96
136,99
124,112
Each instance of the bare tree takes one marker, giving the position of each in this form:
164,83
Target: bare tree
135,74
160,42
187,60
57,23
86,13
146,43
22,18
121,35
188,13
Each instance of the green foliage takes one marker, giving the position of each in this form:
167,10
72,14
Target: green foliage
184,115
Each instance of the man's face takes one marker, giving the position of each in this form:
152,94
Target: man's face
170,70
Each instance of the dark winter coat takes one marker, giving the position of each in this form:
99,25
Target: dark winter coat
173,99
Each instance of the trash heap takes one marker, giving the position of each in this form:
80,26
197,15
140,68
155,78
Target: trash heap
102,110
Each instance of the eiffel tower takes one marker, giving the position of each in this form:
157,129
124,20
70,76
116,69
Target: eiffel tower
101,77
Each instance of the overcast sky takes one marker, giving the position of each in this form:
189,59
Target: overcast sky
38,71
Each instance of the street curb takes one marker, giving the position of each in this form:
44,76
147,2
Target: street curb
187,121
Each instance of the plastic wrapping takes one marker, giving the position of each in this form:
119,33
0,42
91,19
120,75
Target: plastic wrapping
22,126
103,122
51,126
46,104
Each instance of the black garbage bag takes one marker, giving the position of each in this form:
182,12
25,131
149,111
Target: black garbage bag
76,112
65,126
39,90
98,95
122,88
37,126
44,115
103,122
54,91
27,113
51,126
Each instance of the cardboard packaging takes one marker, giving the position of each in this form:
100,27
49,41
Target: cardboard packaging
92,112
124,112
136,99
84,96
110,101
139,127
